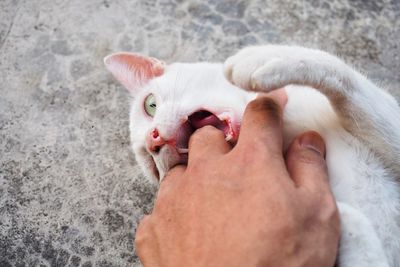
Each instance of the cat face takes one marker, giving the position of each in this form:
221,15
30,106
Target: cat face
170,102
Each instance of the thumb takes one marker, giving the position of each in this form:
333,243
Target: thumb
305,161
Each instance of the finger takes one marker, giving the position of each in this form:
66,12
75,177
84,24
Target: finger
262,126
169,182
206,143
306,164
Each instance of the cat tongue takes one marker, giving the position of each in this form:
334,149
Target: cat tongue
195,121
202,118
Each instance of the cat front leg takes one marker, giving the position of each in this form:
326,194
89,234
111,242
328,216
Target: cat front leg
359,243
265,68
366,111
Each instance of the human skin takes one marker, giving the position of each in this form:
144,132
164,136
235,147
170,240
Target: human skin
249,205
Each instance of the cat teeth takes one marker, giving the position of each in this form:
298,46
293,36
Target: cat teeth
182,150
224,116
228,137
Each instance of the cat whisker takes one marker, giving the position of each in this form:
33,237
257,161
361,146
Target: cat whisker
182,150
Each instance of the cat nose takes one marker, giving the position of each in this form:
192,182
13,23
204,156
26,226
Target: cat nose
154,141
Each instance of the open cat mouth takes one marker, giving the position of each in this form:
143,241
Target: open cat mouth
176,149
222,121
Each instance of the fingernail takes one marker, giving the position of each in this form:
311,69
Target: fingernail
314,142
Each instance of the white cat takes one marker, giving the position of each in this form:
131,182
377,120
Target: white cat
359,122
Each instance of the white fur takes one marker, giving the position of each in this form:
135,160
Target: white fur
359,122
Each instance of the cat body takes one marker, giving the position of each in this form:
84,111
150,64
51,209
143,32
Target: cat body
359,122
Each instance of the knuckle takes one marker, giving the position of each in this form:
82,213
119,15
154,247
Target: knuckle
332,209
328,210
289,227
141,231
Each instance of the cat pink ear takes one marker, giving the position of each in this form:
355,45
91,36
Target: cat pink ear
133,70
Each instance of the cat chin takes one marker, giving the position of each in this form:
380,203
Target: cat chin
154,171
167,158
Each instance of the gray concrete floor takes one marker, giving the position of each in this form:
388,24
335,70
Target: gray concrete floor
70,191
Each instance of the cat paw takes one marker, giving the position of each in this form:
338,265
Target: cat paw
238,69
265,68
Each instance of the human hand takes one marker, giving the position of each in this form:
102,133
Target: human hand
244,206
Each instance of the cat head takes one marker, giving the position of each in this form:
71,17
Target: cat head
169,102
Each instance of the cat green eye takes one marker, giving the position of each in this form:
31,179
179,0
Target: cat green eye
150,105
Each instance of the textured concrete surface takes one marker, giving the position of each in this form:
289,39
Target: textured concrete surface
70,192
